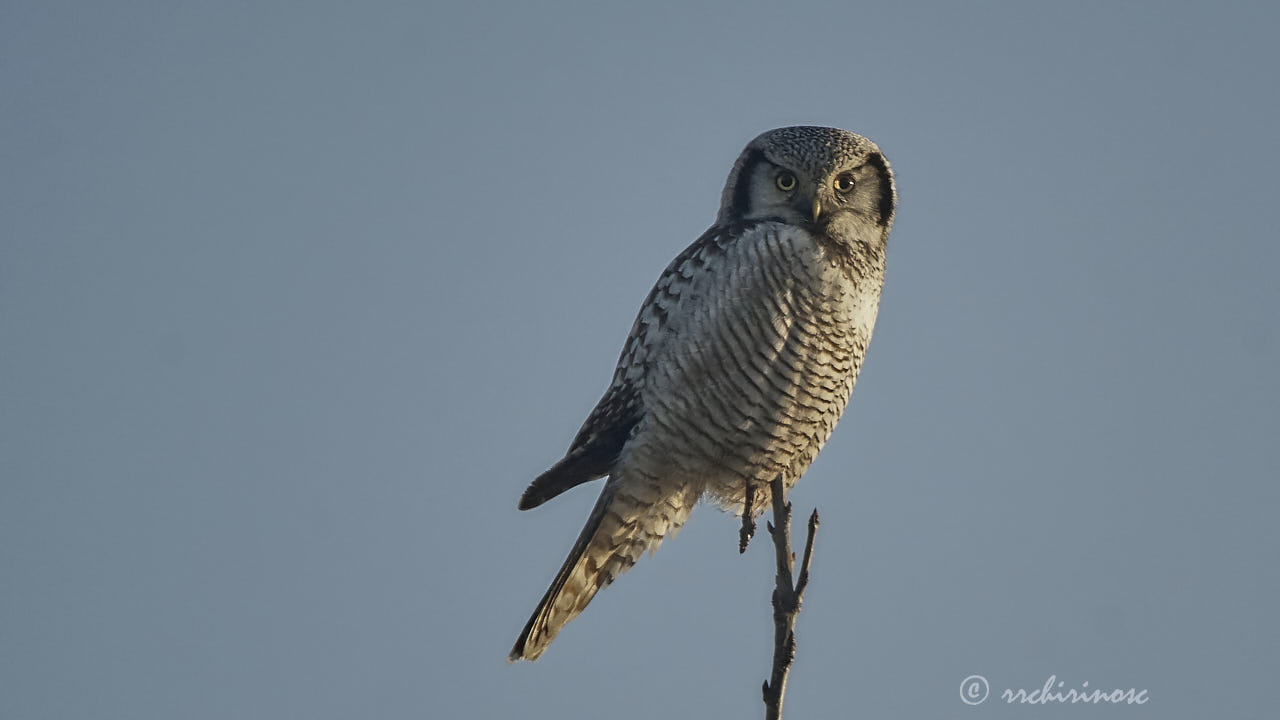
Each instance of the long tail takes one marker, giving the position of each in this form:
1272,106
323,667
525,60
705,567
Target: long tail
622,526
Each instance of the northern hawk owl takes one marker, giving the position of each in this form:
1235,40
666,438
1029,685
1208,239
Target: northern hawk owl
739,364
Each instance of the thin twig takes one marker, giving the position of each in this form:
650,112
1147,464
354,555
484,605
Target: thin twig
803,580
786,598
748,530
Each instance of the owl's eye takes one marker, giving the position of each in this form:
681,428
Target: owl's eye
844,182
786,181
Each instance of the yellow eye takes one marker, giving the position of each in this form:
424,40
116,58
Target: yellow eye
786,181
844,182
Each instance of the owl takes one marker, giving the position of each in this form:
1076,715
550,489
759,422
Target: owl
739,364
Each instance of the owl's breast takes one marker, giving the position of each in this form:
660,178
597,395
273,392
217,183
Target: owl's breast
759,357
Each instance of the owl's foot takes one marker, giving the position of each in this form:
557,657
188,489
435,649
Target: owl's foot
748,530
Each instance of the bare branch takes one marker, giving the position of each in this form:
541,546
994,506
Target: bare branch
786,597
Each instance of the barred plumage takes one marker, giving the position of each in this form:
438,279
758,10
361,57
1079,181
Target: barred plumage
739,364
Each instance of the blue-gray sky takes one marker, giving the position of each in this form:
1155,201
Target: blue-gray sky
295,299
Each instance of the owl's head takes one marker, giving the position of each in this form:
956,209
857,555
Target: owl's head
830,180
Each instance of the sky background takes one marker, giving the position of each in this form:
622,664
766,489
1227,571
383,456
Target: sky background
296,298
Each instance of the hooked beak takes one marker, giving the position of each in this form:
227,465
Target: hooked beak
817,209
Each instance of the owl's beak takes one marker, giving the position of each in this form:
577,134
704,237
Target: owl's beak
817,209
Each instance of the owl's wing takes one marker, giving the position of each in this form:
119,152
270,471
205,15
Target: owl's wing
597,445
594,450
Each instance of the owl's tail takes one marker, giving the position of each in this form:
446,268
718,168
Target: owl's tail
625,522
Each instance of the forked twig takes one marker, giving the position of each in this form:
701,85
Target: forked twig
787,597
